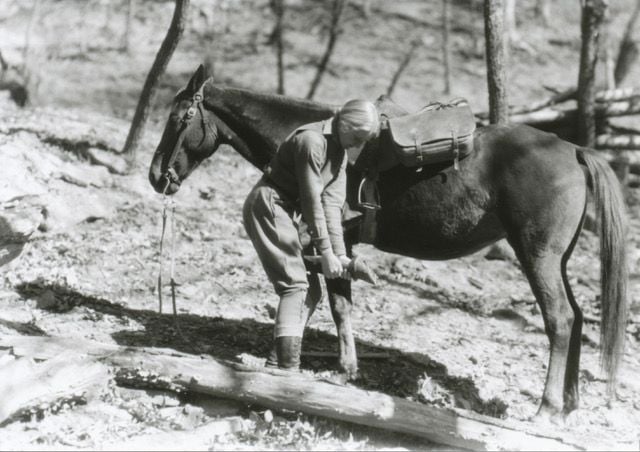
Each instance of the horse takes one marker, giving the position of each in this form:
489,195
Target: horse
520,183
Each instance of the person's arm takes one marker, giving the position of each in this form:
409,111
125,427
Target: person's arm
333,199
310,156
310,149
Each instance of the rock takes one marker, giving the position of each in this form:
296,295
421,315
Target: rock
113,163
87,206
501,251
18,221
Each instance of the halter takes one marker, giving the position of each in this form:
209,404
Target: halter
196,104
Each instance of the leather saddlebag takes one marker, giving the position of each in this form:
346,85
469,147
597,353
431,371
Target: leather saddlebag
438,133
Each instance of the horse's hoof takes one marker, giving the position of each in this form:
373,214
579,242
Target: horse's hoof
350,371
549,416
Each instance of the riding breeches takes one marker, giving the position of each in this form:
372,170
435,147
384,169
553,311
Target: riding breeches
269,223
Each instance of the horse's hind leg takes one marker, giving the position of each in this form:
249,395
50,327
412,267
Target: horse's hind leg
545,277
543,244
572,375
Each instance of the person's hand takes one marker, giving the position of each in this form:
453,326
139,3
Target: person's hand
345,261
331,265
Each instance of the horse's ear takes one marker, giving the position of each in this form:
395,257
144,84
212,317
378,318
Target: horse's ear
197,80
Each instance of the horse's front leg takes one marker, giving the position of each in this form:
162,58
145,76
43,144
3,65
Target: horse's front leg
340,301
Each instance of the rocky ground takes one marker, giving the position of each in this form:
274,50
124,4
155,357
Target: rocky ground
464,333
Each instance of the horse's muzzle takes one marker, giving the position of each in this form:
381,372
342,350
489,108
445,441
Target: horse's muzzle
170,181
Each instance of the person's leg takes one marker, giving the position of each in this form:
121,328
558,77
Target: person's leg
277,243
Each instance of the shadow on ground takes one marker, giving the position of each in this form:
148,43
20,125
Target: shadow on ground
391,371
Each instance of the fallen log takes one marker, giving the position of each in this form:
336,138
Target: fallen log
27,388
602,97
625,107
618,142
546,115
617,94
300,392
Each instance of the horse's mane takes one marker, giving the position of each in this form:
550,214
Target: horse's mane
276,100
263,120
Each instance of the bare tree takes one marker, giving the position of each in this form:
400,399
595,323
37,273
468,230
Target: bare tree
366,8
126,38
335,30
628,53
33,20
542,10
607,54
496,76
403,65
277,6
510,25
593,14
158,68
446,44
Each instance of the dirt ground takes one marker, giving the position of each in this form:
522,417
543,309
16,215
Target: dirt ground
464,333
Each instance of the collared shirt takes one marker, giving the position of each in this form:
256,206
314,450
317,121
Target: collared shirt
310,169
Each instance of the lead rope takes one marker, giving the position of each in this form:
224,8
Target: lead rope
170,205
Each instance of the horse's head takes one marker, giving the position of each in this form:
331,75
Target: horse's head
191,134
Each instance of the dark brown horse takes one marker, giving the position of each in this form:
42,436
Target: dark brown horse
520,183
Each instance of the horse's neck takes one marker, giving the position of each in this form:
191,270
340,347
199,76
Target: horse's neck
262,121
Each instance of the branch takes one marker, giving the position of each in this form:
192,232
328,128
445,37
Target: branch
334,32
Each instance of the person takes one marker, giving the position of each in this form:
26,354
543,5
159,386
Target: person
307,175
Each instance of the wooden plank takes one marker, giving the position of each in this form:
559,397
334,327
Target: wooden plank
304,393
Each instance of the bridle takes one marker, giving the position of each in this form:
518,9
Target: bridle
170,174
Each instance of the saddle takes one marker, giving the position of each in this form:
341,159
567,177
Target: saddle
437,133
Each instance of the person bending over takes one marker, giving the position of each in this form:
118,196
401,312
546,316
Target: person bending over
307,175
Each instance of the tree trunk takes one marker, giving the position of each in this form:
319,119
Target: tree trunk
402,66
157,70
496,77
33,20
510,25
126,39
628,53
366,8
593,14
446,44
27,387
277,6
607,54
542,11
334,32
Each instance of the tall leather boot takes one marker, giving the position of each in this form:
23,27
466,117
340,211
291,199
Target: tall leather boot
288,350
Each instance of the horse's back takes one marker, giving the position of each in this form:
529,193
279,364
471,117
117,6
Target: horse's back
441,213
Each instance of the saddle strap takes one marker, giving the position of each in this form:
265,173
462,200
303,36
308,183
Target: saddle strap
369,201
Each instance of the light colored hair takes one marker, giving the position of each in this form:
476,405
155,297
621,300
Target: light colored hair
359,119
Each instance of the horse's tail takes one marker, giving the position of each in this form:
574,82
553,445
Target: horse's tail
612,219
